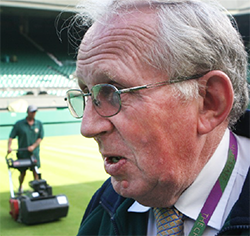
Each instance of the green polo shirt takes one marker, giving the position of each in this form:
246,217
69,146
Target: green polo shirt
27,135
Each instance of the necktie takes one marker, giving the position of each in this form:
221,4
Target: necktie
169,221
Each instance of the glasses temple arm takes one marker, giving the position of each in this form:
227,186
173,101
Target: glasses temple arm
128,90
160,83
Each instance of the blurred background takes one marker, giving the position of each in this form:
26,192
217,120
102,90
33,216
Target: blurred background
37,64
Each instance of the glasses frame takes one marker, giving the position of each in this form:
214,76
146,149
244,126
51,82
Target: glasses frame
121,91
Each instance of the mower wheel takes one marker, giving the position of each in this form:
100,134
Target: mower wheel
14,208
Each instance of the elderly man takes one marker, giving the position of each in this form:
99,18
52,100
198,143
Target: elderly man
162,83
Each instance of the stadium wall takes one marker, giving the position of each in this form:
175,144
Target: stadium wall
55,122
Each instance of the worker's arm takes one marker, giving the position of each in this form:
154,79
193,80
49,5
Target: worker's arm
34,145
9,145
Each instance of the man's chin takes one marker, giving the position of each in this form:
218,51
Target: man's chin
123,188
127,190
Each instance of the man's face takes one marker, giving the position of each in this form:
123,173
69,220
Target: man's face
31,115
149,146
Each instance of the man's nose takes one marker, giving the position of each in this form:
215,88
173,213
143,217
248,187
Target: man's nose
92,123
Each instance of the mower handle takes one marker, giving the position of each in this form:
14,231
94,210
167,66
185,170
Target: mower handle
20,149
16,150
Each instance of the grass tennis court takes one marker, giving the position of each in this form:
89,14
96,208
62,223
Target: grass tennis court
71,165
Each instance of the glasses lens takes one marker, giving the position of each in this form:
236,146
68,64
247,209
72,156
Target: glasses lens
106,99
75,103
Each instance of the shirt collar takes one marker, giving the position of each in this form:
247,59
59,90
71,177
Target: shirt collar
137,207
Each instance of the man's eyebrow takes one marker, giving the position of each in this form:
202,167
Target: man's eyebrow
101,77
105,77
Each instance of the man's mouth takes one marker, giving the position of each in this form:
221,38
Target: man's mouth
113,164
113,159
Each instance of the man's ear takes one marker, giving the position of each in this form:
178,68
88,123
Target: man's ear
216,101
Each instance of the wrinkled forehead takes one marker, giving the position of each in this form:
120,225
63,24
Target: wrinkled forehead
121,38
138,23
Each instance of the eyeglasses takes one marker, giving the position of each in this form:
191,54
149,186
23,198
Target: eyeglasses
106,97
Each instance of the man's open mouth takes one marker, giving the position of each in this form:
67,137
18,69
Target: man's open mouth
113,159
114,164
